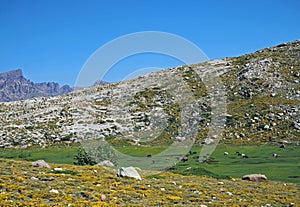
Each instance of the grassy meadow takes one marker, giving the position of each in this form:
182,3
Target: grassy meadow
285,168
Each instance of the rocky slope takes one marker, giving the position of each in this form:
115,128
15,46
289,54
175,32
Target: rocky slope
14,86
257,97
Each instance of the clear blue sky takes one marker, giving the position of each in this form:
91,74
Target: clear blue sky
51,39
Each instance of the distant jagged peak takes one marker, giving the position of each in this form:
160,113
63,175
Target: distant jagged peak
13,74
14,86
99,83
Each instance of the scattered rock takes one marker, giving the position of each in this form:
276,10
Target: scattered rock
296,125
129,172
254,177
106,163
34,179
229,193
53,191
47,179
297,74
41,163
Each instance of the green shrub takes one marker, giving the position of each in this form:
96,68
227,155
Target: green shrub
95,154
83,158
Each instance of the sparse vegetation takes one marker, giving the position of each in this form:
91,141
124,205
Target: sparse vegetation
23,185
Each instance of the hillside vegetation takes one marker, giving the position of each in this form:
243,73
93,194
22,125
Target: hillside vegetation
23,185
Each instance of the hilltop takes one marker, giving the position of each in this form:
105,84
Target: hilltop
262,100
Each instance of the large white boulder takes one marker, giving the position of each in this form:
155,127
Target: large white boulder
106,163
41,163
129,172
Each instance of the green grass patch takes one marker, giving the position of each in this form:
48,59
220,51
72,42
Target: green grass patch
54,154
285,168
140,151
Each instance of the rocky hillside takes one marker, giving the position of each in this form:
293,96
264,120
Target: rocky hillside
14,86
257,96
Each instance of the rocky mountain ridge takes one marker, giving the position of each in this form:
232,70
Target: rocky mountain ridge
14,86
261,105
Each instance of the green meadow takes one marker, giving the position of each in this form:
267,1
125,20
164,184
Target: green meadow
285,167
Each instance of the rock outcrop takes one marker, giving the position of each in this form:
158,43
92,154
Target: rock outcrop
41,163
129,172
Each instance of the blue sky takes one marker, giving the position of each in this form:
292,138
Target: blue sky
52,39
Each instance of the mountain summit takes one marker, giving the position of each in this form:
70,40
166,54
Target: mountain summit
14,86
13,74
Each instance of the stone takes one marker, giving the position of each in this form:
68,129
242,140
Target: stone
229,193
297,74
53,191
296,125
106,163
254,177
41,163
129,172
34,179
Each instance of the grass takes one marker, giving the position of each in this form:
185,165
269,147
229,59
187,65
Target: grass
140,150
285,168
54,154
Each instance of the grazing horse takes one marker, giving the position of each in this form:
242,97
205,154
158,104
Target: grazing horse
185,159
